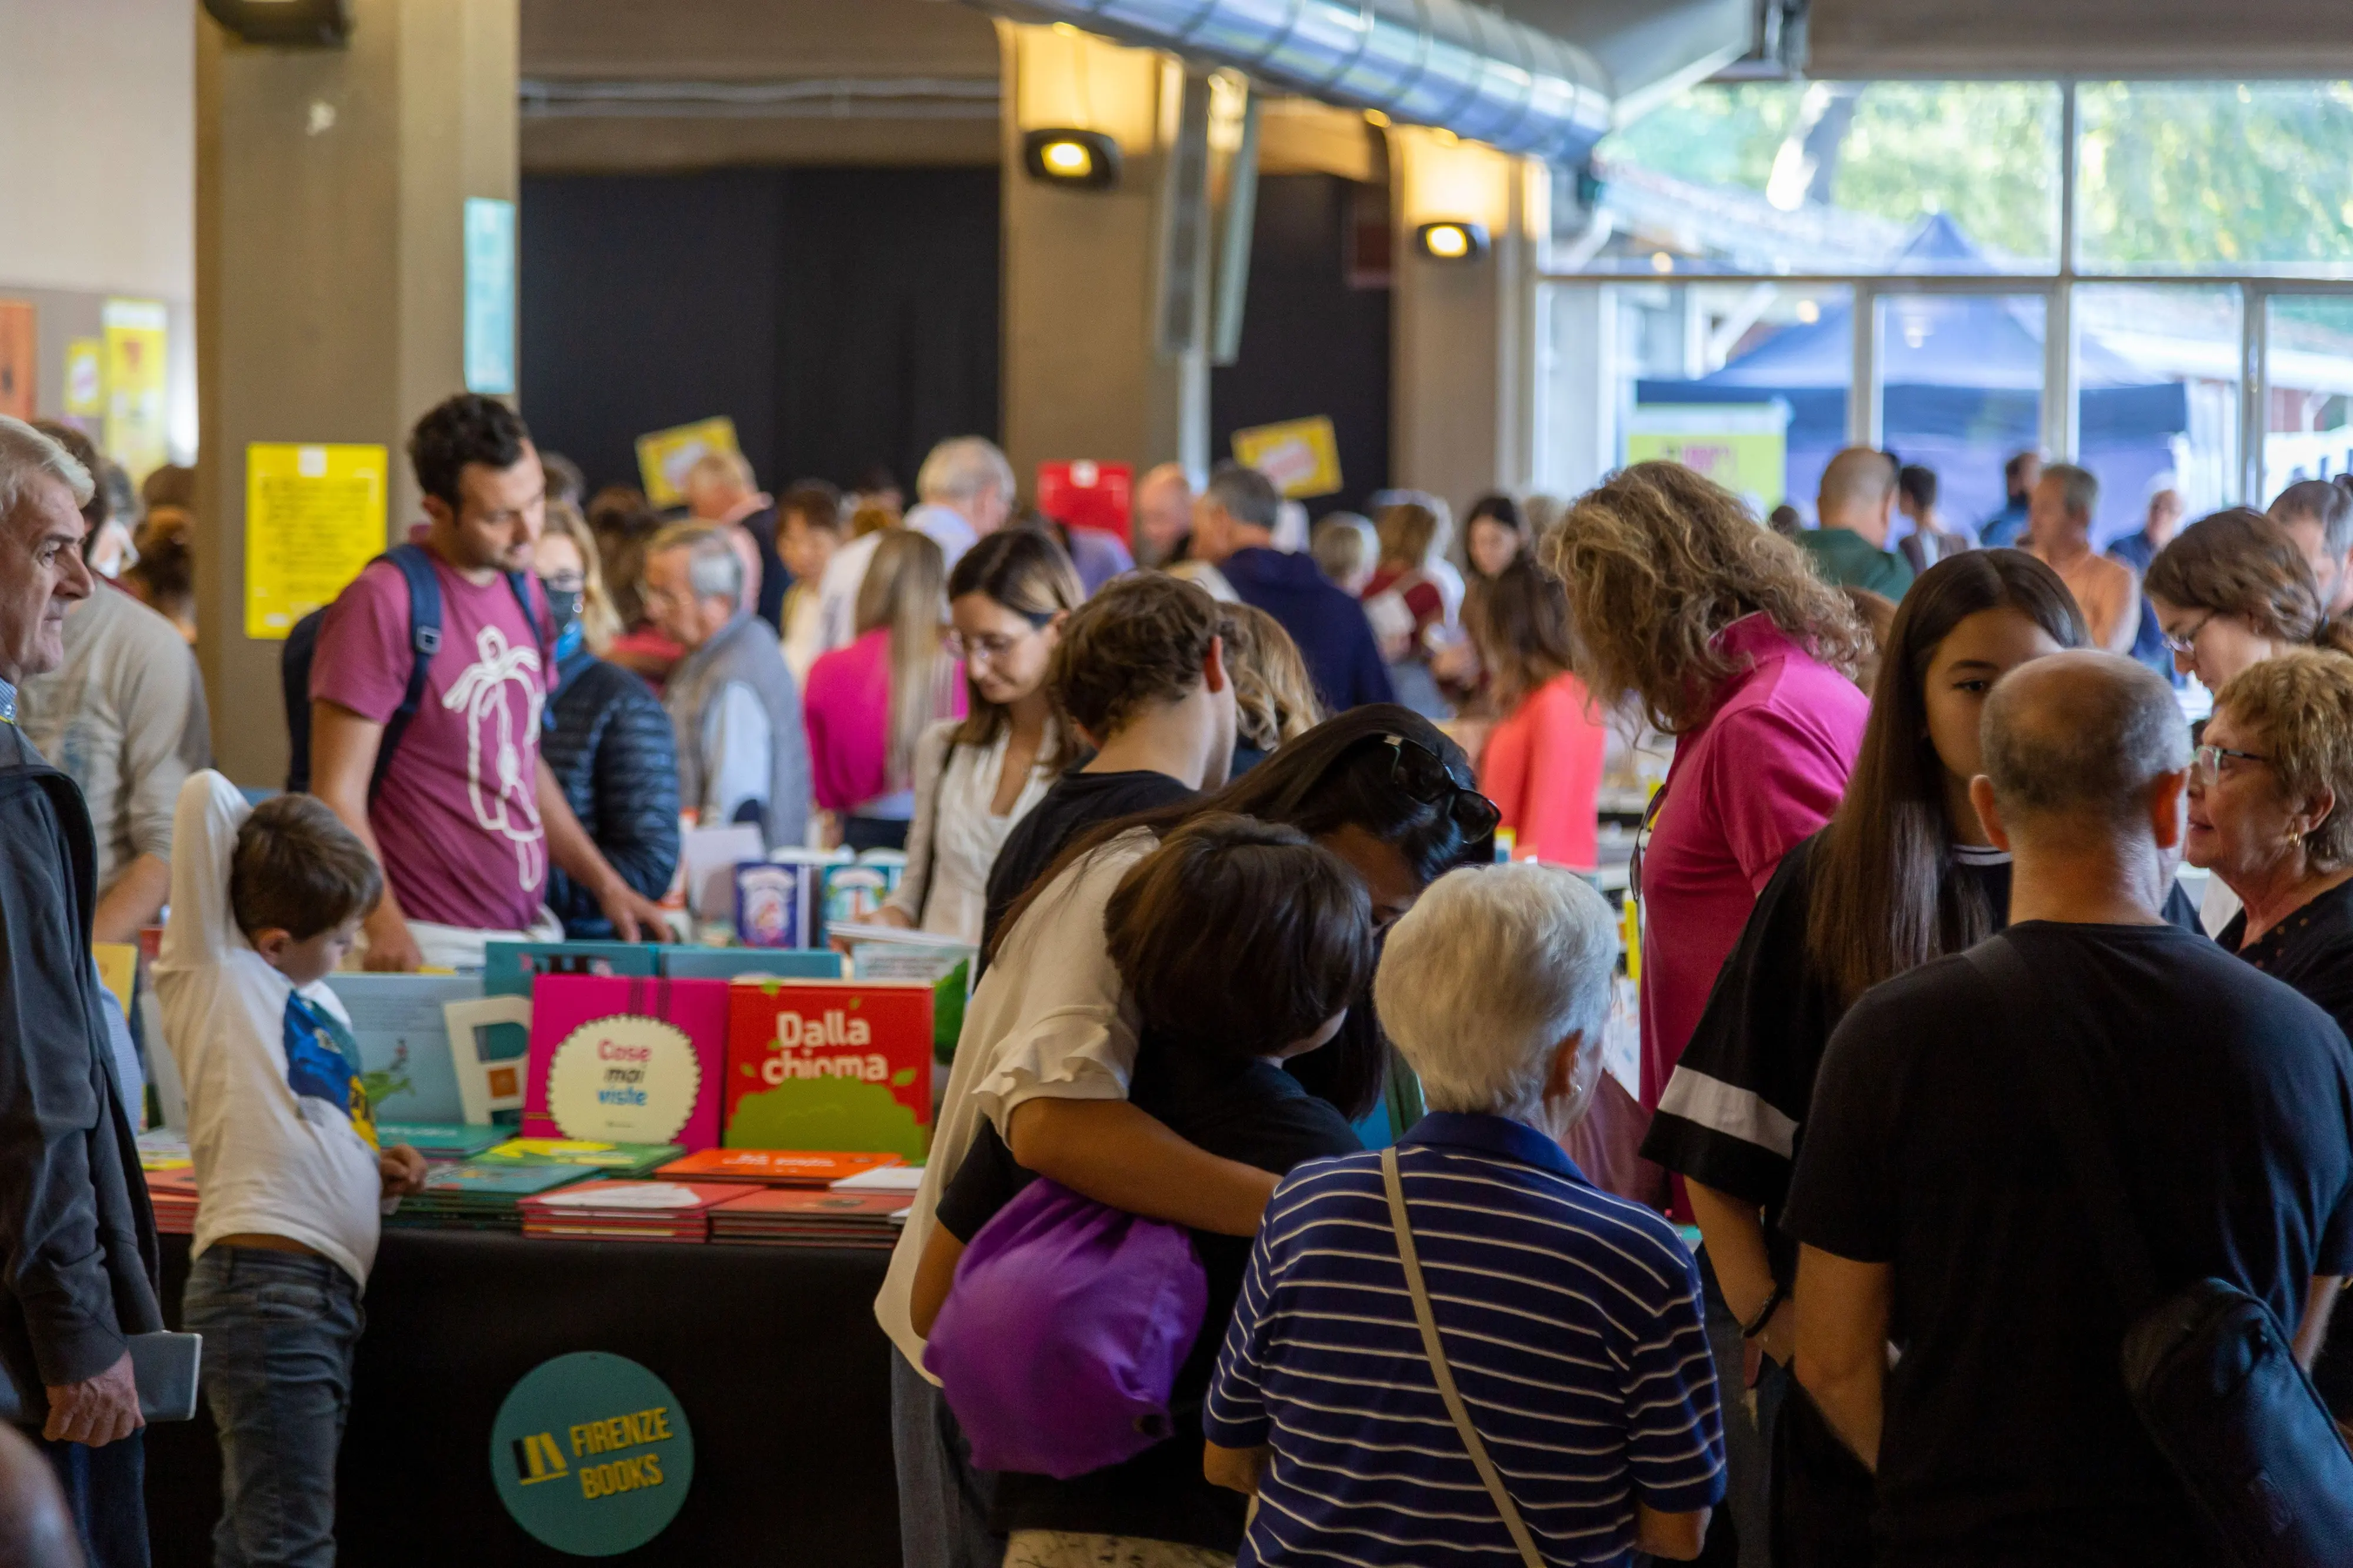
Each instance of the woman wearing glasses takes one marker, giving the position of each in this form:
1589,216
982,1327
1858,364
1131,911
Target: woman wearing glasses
976,776
2230,592
1050,1042
2271,816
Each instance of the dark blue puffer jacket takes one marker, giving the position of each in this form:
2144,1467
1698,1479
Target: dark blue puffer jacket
610,747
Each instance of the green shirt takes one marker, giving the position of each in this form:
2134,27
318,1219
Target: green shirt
1847,560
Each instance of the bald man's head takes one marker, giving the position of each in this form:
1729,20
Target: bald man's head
2079,740
1858,489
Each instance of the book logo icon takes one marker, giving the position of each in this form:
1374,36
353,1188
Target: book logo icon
538,1459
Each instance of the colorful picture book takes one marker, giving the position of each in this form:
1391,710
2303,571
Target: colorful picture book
788,1217
765,964
774,1167
586,1154
829,1066
475,1196
172,1193
440,1140
403,1036
883,1179
627,1060
625,1211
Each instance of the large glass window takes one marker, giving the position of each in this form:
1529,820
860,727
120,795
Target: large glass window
2215,177
1745,382
1810,263
2308,406
1830,177
2156,401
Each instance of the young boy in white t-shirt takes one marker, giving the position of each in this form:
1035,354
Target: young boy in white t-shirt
291,1184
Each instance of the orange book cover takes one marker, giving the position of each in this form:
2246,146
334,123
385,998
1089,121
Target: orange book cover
774,1167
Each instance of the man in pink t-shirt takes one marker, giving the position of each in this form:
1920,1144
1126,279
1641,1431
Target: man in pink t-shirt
467,818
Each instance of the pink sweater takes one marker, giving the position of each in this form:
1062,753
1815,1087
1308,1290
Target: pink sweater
847,711
1542,768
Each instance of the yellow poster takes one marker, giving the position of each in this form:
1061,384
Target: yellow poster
117,969
136,340
86,377
313,517
664,455
1744,447
1300,456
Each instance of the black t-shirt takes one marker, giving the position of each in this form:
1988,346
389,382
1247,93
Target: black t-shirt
1736,1119
2230,1102
1259,1116
1077,802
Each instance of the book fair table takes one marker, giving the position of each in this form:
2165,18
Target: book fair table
768,1359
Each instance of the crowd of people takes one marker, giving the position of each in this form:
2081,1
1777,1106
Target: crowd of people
1225,830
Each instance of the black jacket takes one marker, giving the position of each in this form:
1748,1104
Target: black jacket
77,1255
774,578
611,748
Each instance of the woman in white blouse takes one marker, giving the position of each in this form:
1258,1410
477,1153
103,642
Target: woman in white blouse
978,775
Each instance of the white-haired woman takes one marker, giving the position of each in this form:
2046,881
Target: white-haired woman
1569,1319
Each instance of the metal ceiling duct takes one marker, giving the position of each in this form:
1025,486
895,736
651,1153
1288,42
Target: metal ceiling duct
1447,63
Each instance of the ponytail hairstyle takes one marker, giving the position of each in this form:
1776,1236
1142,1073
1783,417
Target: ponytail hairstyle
1882,899
1026,571
902,593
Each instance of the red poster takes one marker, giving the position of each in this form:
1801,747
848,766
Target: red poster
19,354
1083,493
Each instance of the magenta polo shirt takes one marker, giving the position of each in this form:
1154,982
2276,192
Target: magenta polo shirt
1764,771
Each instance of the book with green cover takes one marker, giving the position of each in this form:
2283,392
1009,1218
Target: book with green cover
440,1140
474,1196
615,1160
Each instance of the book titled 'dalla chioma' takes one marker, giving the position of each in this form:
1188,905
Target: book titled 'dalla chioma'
826,1066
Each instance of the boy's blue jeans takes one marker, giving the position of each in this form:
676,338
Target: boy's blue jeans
280,1328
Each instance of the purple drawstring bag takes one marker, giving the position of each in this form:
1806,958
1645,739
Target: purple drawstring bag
1059,1345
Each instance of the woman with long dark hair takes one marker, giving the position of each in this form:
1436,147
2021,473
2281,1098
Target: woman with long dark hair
1901,875
1050,1042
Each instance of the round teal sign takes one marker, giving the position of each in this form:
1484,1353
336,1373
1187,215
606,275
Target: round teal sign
591,1454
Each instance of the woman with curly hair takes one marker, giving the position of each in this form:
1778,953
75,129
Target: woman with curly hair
1682,601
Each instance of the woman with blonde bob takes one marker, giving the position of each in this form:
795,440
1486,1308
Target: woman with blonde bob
1683,604
1275,700
608,742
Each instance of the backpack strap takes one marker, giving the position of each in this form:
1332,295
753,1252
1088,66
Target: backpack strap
424,641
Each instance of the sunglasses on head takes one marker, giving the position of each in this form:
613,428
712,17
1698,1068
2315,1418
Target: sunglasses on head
1425,776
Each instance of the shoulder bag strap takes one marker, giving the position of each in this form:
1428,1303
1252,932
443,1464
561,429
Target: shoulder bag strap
424,641
932,844
2055,1067
1435,1352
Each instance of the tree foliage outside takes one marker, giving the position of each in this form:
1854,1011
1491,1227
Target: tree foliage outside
2175,177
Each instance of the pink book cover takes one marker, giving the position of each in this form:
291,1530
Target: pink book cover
625,1059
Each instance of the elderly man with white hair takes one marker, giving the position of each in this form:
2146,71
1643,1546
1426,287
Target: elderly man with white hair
964,493
742,753
75,1228
1460,1347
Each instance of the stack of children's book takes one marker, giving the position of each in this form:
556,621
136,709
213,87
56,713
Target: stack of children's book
476,1194
794,1216
626,1211
775,1167
171,1181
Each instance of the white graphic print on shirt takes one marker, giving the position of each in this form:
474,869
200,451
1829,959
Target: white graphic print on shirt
501,700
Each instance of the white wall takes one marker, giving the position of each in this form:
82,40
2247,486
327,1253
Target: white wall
98,172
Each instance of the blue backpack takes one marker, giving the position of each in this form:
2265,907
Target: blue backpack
424,641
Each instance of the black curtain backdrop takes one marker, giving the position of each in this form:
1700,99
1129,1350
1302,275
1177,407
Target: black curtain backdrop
1311,344
842,317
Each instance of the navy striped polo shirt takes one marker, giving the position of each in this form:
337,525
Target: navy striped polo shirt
1572,1321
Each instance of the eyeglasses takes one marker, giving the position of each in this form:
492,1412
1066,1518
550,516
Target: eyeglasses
2188,641
2207,761
1425,776
994,646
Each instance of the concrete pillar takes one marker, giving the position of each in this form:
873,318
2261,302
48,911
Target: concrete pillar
1462,382
330,186
1083,373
